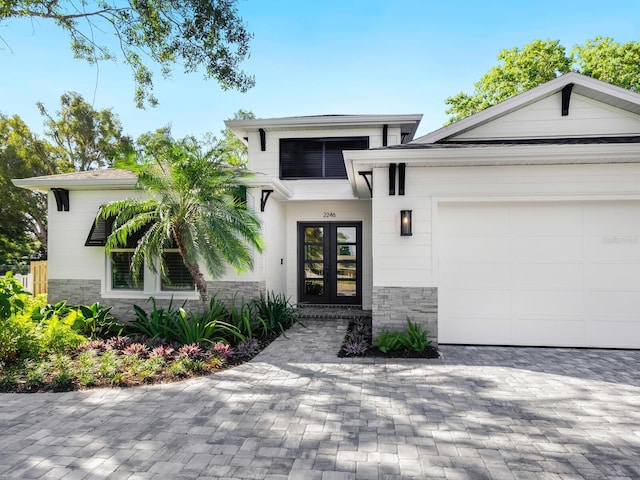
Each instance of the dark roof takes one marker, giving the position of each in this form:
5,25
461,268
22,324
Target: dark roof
509,142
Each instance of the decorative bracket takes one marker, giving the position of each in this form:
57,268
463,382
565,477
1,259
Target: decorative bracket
263,139
368,176
401,176
263,199
392,179
62,199
566,97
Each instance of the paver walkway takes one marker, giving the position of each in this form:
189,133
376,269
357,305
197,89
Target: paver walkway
298,412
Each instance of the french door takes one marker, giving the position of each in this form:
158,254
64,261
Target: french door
330,262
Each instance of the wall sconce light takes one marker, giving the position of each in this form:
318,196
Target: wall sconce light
405,223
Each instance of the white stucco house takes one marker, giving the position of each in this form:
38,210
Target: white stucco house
519,225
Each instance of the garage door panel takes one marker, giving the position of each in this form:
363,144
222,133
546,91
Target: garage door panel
619,218
550,302
536,219
612,248
612,334
612,276
537,331
544,275
474,249
476,221
469,276
547,249
476,303
614,303
483,331
548,274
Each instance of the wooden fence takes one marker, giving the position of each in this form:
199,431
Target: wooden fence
36,281
39,273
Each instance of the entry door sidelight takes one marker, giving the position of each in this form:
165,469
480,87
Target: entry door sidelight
330,265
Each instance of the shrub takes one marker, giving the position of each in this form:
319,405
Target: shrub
159,323
222,350
175,325
96,322
203,328
276,312
242,317
57,335
18,338
192,351
13,296
415,337
389,340
139,349
161,351
247,349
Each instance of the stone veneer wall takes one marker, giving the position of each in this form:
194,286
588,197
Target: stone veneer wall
392,306
86,292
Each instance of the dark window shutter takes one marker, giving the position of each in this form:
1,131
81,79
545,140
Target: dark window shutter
316,157
99,232
102,228
334,160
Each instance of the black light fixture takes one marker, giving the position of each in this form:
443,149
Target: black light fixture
405,223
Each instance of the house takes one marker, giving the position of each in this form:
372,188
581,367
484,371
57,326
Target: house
519,225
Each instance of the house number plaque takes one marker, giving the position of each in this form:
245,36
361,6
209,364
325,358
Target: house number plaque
329,215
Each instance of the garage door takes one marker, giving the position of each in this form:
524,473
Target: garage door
547,274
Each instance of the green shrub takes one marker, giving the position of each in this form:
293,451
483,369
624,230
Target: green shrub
276,312
42,313
12,296
96,322
18,338
58,336
158,324
389,340
415,337
242,317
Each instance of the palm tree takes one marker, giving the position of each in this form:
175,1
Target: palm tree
193,204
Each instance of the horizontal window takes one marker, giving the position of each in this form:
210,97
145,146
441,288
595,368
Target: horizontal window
178,277
121,276
316,157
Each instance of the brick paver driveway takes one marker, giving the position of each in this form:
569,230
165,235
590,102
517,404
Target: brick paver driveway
297,411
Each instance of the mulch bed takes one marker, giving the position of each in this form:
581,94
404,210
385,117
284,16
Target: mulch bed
429,352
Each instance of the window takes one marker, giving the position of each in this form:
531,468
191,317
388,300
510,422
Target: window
316,157
121,276
178,277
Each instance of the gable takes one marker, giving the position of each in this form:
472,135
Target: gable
543,119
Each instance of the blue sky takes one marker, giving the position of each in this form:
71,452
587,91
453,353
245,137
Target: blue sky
314,57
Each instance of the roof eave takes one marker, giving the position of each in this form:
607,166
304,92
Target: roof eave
523,99
42,184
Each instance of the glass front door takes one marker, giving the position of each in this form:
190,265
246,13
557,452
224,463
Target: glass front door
330,262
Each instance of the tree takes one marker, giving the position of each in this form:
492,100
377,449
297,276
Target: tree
194,33
23,214
192,201
230,148
87,139
543,60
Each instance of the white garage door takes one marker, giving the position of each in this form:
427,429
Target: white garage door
547,274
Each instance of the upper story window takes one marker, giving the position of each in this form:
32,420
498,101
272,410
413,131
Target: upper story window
316,157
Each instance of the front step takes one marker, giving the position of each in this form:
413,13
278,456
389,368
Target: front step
348,312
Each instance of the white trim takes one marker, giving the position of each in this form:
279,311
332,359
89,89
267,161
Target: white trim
152,284
44,184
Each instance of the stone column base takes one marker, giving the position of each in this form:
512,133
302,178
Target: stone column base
392,306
